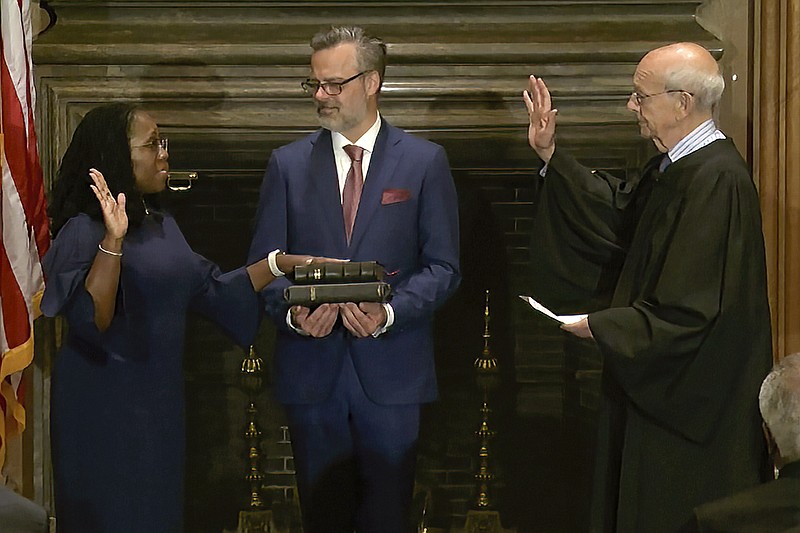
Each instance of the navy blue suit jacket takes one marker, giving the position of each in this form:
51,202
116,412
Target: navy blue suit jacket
407,221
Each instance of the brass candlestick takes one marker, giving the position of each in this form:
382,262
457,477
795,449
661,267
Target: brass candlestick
256,518
484,475
481,518
486,362
487,379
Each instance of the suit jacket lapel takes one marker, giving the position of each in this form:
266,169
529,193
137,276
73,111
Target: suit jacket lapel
385,156
325,181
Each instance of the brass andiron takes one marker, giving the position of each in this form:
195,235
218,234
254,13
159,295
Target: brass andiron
482,518
484,475
486,363
255,518
487,379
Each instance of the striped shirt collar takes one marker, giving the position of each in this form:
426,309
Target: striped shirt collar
701,136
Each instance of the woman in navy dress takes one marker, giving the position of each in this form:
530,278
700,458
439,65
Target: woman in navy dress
122,274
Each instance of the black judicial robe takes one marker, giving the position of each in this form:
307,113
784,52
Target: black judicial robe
685,338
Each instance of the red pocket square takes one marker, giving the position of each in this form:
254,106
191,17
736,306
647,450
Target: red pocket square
393,196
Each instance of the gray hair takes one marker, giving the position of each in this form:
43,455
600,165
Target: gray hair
370,51
779,401
705,87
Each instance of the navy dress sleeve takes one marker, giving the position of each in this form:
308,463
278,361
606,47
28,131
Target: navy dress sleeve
228,299
66,265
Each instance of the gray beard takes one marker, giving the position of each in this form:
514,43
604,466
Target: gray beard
339,123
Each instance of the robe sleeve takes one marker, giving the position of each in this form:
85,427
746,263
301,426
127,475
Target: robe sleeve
576,236
701,314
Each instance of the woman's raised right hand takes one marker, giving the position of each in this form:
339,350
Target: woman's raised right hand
114,215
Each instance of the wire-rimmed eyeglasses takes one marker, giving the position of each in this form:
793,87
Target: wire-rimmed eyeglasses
331,88
639,98
156,144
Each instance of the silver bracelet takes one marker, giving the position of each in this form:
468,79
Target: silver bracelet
273,264
109,252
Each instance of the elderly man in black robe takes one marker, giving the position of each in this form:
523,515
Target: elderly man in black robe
685,337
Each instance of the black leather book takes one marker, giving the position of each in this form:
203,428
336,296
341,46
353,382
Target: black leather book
311,295
350,272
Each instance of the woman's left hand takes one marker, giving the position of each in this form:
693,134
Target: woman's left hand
287,262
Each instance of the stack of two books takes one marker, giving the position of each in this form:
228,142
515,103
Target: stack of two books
322,283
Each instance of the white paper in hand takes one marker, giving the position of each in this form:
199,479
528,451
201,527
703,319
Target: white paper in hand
564,319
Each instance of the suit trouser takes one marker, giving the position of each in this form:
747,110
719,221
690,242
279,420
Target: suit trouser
354,460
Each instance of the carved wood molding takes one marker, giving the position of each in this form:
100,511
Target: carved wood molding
267,32
223,77
777,167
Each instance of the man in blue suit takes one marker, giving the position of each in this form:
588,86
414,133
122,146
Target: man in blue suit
353,376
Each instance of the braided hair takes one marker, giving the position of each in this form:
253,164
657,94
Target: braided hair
100,141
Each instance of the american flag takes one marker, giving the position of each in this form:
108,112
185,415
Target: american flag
23,221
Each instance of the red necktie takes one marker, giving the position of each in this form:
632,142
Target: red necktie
352,188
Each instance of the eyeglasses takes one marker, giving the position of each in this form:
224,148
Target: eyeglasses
155,144
639,98
331,88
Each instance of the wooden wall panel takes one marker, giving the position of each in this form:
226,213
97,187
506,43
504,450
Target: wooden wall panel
777,143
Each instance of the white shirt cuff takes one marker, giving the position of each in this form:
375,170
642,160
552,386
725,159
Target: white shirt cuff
291,325
389,321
